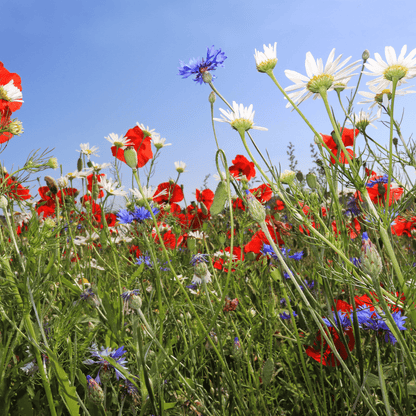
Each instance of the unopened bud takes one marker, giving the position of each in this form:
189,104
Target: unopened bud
130,156
206,77
299,176
212,97
52,185
3,202
53,163
95,392
135,302
79,164
311,180
395,141
365,55
287,177
370,259
255,208
16,127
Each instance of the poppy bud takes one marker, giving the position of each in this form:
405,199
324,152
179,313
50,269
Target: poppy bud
311,180
79,164
255,208
212,97
52,185
370,259
395,141
130,156
299,176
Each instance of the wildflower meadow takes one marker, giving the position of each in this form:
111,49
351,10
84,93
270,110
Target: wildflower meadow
275,293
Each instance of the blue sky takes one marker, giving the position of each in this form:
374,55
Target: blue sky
92,68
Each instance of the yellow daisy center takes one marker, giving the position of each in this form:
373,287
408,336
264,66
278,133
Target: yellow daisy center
319,81
241,124
379,97
395,71
3,94
266,65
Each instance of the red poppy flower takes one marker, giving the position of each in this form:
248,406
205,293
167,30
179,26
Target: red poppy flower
10,84
241,166
402,226
280,205
206,197
353,229
327,357
141,144
13,189
220,262
173,193
263,193
95,179
238,203
4,122
348,136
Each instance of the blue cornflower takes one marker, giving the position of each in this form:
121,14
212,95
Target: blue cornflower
309,284
355,261
116,355
268,250
125,217
129,294
283,302
237,344
193,286
200,65
352,207
344,320
198,258
383,179
89,296
286,316
297,256
140,214
146,260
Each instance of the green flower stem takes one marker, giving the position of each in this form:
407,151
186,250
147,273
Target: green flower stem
386,206
190,303
219,95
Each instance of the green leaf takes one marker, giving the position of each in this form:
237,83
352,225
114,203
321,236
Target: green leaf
137,273
411,388
68,392
219,199
24,406
167,406
268,372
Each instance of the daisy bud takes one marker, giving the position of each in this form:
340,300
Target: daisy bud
212,97
79,164
16,127
207,77
365,55
130,156
53,163
311,180
3,202
95,392
255,208
370,259
287,177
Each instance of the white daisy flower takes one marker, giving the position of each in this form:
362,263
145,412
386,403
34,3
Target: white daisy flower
120,142
112,187
266,61
78,174
11,93
96,167
180,167
63,182
381,96
318,77
401,68
148,193
241,118
146,130
198,235
88,239
221,177
363,119
86,150
158,142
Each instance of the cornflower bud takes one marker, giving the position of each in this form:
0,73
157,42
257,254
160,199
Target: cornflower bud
370,259
255,208
130,156
212,97
95,392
